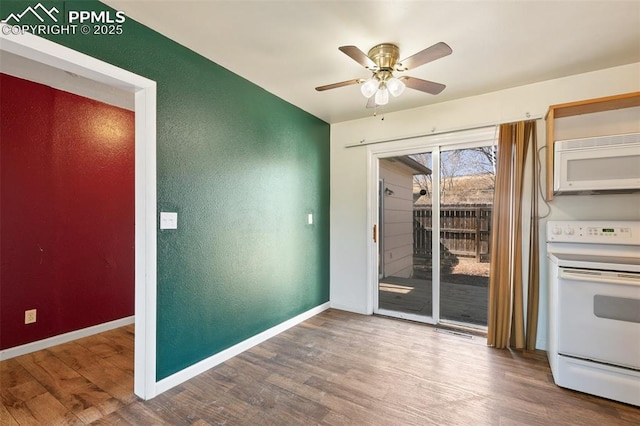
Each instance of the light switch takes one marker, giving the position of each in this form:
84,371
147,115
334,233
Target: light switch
168,220
310,218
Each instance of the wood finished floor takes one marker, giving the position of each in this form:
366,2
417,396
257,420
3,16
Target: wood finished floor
334,369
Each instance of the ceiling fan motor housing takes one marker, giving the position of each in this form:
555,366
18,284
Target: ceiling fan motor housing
385,56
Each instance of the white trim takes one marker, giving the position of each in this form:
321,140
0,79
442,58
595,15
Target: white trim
208,363
373,171
356,309
63,338
407,316
435,236
37,72
459,140
146,244
60,57
450,131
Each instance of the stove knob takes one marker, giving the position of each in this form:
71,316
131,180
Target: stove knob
557,230
569,230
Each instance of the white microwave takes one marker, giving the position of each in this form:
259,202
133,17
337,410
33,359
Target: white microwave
598,164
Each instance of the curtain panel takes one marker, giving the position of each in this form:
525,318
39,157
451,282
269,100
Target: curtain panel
506,319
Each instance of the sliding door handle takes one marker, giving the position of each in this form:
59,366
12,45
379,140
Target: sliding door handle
375,233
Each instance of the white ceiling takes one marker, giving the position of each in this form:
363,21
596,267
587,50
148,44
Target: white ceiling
290,47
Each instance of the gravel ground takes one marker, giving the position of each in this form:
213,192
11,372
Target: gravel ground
469,272
471,267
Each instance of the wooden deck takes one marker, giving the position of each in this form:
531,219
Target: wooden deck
336,368
464,303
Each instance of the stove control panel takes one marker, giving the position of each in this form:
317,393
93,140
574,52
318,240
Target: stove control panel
594,232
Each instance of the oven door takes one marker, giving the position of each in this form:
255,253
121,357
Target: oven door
599,316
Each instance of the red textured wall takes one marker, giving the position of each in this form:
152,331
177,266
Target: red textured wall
67,211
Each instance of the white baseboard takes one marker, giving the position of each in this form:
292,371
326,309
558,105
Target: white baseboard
206,364
347,308
63,338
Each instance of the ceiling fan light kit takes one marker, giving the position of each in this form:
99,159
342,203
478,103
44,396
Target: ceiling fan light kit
382,61
369,87
396,86
381,89
382,95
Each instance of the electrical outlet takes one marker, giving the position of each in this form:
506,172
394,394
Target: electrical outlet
30,316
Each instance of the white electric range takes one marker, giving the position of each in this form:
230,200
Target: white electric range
594,307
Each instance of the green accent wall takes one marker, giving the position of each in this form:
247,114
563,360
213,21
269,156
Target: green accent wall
242,168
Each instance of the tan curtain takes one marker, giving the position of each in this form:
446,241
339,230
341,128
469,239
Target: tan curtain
506,322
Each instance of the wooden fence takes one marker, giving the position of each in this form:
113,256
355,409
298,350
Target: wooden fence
465,231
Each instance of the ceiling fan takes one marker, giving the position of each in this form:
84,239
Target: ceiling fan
382,61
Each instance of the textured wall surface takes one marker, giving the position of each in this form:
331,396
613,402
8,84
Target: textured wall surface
67,241
242,168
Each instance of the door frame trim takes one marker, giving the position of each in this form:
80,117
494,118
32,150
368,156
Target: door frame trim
144,90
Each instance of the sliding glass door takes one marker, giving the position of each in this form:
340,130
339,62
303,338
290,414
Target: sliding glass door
405,282
434,217
467,181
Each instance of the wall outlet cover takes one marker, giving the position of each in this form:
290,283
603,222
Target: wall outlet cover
30,316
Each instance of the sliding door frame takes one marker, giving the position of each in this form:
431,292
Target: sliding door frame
434,144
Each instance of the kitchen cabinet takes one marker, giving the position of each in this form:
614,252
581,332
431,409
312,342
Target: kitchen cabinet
556,112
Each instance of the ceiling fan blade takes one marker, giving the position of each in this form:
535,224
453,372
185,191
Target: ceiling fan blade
341,84
371,103
437,51
423,85
358,55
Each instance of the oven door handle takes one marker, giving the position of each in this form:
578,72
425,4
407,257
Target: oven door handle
608,278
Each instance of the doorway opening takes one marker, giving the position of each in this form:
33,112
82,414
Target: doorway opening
53,55
433,211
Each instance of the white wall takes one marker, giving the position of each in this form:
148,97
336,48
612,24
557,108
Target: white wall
350,233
